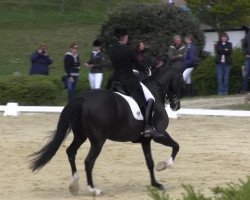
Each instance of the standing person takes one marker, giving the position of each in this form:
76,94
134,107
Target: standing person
72,69
176,53
143,59
122,58
170,2
190,61
96,64
40,61
246,52
223,60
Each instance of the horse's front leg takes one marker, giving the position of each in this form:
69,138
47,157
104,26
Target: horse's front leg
167,141
146,146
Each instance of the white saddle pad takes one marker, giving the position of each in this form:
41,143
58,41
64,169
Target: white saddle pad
133,106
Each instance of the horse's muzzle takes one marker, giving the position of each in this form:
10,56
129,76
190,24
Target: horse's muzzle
175,104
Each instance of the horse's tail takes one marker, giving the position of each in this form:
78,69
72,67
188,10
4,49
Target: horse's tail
43,156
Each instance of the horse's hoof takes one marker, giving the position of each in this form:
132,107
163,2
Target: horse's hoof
74,185
74,188
161,166
165,164
95,191
158,186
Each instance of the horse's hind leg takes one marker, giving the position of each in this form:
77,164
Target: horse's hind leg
95,149
71,152
167,141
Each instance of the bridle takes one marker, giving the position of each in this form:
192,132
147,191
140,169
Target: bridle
174,99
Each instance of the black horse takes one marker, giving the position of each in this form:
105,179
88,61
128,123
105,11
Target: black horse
100,115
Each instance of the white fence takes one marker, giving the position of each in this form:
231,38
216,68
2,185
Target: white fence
13,109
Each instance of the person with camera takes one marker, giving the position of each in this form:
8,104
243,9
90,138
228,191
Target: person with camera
72,69
40,61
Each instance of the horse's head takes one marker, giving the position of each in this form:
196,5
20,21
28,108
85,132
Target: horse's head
176,91
172,86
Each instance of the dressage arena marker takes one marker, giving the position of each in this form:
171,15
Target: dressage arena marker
13,109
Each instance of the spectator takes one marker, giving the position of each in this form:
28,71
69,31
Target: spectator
96,64
176,53
170,2
246,52
143,59
40,61
190,61
72,69
223,60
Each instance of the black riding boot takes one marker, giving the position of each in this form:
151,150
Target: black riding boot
189,90
149,130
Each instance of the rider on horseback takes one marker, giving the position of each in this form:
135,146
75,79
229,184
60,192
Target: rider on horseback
122,58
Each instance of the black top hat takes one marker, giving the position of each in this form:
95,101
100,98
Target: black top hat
119,32
97,43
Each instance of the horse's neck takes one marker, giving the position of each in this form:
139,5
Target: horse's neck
159,83
155,89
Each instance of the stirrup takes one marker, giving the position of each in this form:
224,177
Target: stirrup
149,131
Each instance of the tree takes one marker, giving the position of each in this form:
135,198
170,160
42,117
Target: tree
221,14
155,24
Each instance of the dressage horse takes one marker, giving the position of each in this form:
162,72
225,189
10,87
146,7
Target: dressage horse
99,115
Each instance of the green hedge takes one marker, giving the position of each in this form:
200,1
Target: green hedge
30,90
204,76
39,90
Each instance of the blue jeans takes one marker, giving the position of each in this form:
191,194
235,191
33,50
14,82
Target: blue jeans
246,75
71,86
222,71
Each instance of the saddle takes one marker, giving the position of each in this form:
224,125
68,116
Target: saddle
117,88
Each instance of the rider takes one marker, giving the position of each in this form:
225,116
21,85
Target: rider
122,58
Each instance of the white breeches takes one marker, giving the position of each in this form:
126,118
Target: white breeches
95,80
148,95
187,75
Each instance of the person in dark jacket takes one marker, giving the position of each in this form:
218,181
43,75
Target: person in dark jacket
96,64
246,52
72,69
40,61
122,58
223,60
144,59
190,61
176,53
